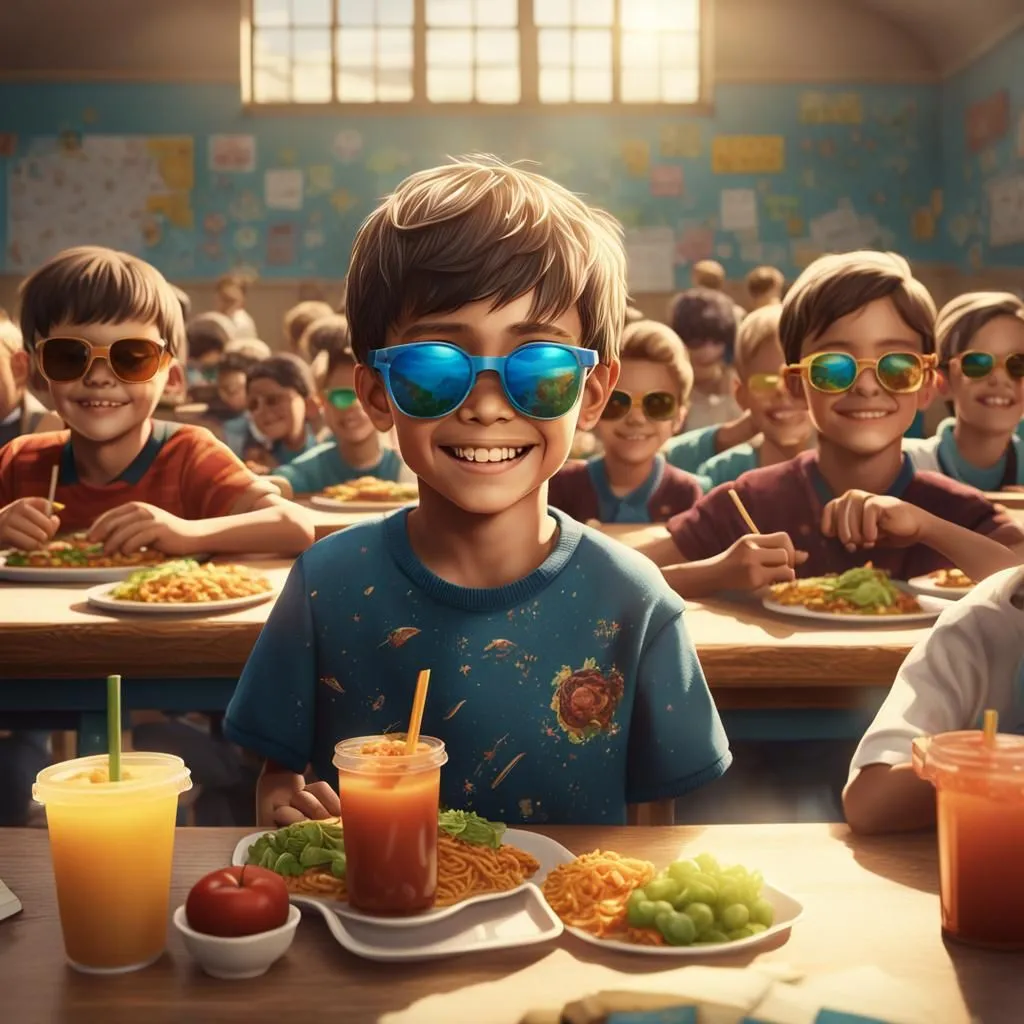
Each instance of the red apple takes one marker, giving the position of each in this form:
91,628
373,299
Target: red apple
237,901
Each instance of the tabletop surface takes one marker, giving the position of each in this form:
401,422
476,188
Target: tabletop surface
868,902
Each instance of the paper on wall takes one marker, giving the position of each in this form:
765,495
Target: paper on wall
232,153
650,259
739,209
282,189
748,154
843,230
1006,211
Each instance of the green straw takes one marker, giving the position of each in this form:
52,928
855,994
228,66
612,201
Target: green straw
114,726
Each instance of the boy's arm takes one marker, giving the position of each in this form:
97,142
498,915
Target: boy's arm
259,522
728,435
973,553
276,788
885,798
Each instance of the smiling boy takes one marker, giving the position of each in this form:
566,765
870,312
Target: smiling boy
857,333
486,305
106,328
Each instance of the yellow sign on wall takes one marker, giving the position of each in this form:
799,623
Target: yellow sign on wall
748,154
831,108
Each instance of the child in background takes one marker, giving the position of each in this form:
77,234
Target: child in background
711,274
542,635
980,343
631,482
764,287
322,335
232,403
781,420
299,317
968,662
231,293
281,399
207,335
857,333
20,411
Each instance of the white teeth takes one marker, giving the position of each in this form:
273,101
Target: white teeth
487,454
784,416
633,437
997,401
101,405
866,415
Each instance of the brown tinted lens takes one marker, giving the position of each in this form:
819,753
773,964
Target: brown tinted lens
1015,365
617,407
135,360
660,405
64,359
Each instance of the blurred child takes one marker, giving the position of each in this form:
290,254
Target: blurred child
764,287
968,662
322,335
708,274
780,420
631,482
231,405
281,399
231,294
858,335
207,335
184,300
299,317
633,315
980,342
20,411
249,348
486,306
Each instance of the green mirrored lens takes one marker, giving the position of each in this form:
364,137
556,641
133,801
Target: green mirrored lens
900,372
832,372
341,398
977,364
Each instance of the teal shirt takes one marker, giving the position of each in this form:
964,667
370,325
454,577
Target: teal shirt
630,508
728,465
940,454
323,466
283,455
689,450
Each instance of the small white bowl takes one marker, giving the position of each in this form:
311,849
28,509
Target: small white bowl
247,956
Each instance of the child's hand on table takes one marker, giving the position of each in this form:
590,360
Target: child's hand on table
758,560
24,524
860,519
315,802
136,525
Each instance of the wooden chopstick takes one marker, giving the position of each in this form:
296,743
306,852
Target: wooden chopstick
53,490
751,525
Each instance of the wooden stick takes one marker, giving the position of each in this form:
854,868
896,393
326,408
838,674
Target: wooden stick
991,727
751,526
53,490
412,737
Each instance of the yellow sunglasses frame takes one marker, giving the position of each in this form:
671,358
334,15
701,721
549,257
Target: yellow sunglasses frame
929,364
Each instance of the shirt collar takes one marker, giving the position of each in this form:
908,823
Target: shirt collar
136,469
608,502
824,492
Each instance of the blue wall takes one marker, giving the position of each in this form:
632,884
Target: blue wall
880,174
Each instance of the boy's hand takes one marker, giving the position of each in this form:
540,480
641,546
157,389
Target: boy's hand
316,802
756,561
25,524
860,519
136,525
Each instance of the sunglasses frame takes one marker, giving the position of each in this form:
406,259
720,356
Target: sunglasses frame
763,386
643,400
801,370
382,359
101,352
998,363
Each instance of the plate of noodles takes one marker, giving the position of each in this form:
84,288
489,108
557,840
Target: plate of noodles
692,907
73,559
477,861
367,494
947,583
184,587
861,596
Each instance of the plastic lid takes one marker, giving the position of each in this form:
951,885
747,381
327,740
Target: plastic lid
157,772
966,754
349,756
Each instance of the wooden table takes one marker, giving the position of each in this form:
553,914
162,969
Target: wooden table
1012,501
867,903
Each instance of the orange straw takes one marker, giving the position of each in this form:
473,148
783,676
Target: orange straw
412,737
991,726
751,526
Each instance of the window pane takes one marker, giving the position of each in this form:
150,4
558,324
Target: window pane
639,50
394,12
554,47
394,48
497,47
356,12
311,83
555,85
450,12
680,86
552,12
592,86
356,46
680,50
394,85
311,46
641,85
270,13
448,47
681,14
649,15
449,85
272,47
594,12
500,13
592,48
271,84
311,12
497,85
355,85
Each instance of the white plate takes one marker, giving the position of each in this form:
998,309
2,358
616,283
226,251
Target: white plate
322,501
927,585
787,912
100,597
549,855
28,574
931,609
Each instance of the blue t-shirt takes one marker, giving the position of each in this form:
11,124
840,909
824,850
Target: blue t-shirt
284,455
630,508
728,465
560,697
323,466
940,454
689,450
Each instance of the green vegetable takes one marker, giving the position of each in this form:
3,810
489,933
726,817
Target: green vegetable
288,864
471,828
128,587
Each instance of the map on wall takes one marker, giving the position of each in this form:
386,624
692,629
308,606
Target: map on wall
122,191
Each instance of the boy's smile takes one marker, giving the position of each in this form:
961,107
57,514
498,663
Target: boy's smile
775,413
993,403
635,439
277,412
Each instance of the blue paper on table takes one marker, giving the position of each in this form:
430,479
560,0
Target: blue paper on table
688,1015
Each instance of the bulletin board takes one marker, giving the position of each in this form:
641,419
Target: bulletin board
178,174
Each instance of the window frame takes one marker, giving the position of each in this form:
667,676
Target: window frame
529,73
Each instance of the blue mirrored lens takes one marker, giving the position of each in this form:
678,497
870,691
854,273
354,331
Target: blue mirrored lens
543,381
430,381
833,371
977,364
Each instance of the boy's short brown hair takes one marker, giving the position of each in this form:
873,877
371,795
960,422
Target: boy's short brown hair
634,315
286,369
324,334
762,281
708,274
251,348
208,332
478,229
759,327
836,285
93,284
961,319
654,342
300,316
703,314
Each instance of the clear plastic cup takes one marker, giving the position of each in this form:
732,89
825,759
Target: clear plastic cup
980,804
111,844
389,805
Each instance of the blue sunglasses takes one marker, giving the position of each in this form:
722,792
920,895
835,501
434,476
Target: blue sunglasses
430,379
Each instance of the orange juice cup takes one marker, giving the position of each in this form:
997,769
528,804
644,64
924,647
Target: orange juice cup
389,805
111,844
980,801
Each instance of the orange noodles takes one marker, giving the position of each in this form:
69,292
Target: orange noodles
388,746
591,891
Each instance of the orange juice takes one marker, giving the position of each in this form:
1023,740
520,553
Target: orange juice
111,844
980,807
389,805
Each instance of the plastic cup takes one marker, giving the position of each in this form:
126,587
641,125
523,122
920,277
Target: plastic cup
980,803
389,808
111,844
